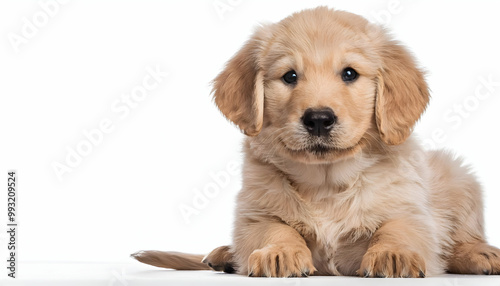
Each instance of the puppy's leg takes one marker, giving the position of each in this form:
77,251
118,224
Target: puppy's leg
457,201
469,253
474,258
397,249
221,259
271,249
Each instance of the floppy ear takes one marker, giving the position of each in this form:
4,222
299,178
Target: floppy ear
239,88
402,94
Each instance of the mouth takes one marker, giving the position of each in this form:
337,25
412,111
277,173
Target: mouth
317,150
320,150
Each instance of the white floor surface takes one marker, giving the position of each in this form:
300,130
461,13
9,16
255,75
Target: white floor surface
133,273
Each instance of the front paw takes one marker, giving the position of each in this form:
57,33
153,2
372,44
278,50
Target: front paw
387,262
281,261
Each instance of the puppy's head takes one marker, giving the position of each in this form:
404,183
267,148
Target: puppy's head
321,85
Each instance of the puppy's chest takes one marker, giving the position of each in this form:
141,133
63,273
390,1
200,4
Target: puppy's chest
334,215
337,214
339,223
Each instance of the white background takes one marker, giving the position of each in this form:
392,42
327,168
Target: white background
126,193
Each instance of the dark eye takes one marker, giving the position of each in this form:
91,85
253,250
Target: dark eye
349,75
290,77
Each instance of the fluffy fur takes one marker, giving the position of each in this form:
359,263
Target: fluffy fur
365,200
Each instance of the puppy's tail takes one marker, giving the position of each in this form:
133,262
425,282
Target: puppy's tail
220,259
171,259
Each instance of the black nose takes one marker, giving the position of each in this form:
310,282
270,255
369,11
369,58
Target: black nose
319,122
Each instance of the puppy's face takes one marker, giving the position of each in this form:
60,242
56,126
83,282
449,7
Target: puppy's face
321,85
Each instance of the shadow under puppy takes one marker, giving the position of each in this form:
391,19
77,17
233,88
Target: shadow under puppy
333,183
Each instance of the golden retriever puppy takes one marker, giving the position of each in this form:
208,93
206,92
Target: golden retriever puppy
333,183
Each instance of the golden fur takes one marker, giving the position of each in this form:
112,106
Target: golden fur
371,201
